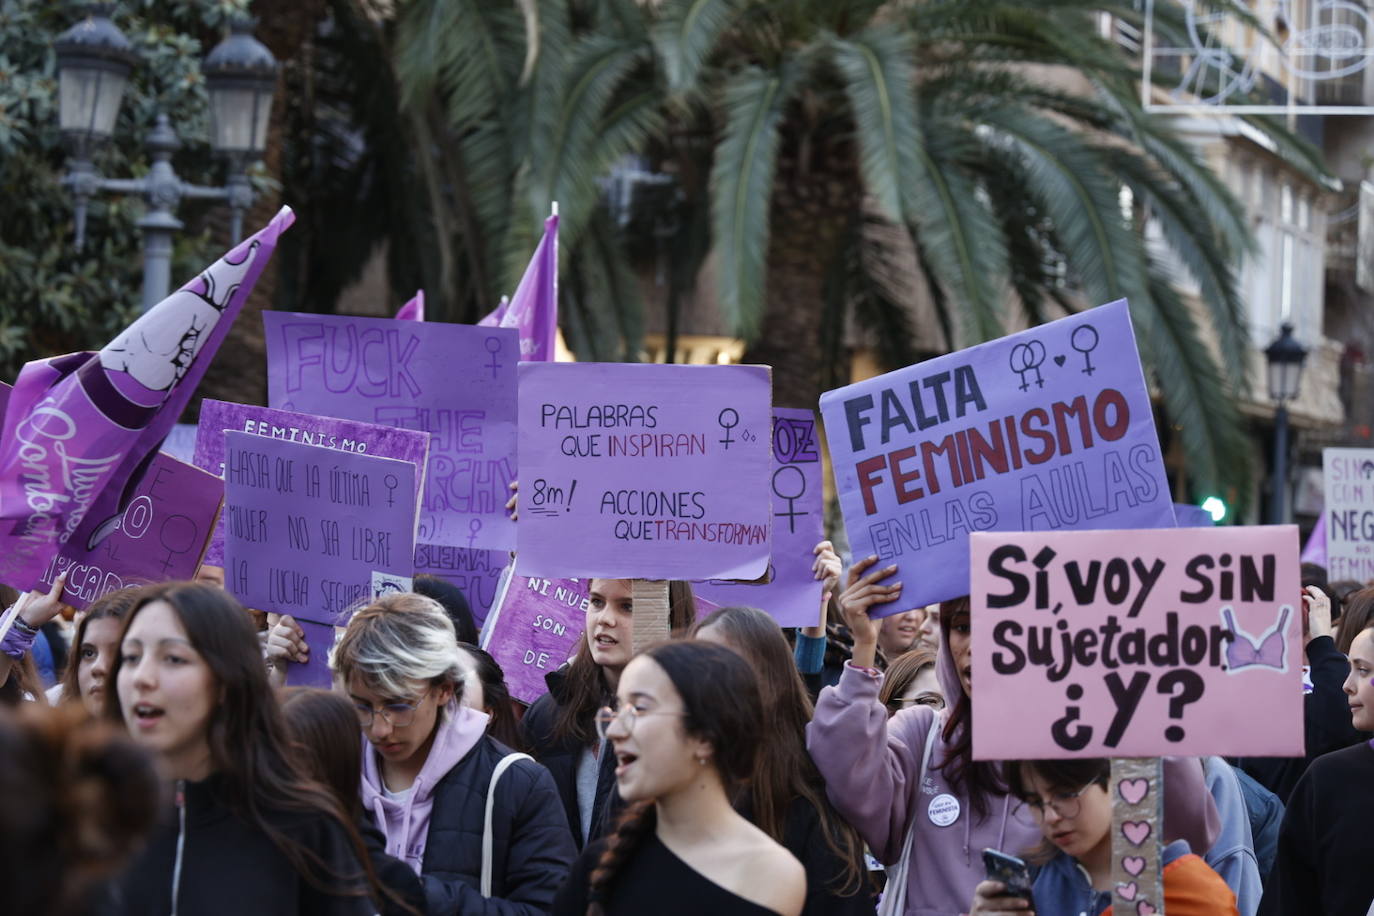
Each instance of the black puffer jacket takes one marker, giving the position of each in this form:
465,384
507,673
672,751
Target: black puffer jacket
561,759
532,846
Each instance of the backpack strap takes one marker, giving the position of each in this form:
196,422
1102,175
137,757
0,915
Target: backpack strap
487,840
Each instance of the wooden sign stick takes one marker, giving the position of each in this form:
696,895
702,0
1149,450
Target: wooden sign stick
1136,793
652,623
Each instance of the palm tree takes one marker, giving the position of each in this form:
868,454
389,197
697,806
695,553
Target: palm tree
1005,140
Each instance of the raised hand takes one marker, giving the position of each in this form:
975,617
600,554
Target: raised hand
285,643
857,601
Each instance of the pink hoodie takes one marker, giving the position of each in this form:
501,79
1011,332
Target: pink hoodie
872,769
406,821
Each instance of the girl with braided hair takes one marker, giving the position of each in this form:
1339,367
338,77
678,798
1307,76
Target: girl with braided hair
685,730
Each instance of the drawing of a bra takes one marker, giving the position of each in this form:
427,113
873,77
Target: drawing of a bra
1245,651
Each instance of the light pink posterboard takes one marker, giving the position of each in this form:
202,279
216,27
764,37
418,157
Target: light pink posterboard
1148,615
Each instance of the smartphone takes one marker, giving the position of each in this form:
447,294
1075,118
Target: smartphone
1011,871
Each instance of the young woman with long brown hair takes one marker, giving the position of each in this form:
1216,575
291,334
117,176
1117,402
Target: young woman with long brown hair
250,832
786,795
560,727
686,723
94,647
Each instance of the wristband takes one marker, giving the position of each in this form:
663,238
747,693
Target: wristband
23,626
16,642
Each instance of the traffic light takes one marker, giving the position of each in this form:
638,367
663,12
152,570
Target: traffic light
1216,507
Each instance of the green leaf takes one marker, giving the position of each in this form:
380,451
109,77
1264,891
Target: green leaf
742,187
686,32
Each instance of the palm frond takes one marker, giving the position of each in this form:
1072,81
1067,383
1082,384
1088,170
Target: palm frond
685,33
464,52
874,65
742,187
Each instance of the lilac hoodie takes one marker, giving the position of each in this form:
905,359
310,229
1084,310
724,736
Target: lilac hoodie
406,821
872,766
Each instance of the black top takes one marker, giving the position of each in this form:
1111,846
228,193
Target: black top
228,866
652,881
1326,722
560,757
1322,867
804,838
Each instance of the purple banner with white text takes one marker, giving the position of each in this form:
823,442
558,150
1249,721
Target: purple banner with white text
534,629
159,537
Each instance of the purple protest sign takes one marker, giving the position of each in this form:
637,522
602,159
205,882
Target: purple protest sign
644,471
80,427
311,530
308,429
1050,428
534,628
159,536
793,594
455,382
476,572
1190,516
319,637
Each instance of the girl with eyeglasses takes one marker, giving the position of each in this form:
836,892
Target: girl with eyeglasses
786,795
560,727
685,728
909,783
911,681
1067,802
429,768
249,832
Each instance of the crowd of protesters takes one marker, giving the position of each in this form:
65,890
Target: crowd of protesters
160,766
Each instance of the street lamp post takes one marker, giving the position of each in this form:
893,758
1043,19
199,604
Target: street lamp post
1285,358
94,60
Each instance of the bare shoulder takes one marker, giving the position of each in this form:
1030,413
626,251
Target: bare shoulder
781,880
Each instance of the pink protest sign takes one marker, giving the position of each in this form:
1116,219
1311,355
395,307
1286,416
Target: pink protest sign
792,594
327,432
311,530
644,471
1120,643
453,381
476,572
159,536
534,628
1049,429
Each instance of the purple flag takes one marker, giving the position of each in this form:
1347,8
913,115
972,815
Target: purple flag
80,428
414,310
493,318
1314,551
533,310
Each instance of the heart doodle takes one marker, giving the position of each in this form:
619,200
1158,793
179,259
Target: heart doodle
1127,890
1136,831
1134,865
1133,790
1145,908
1059,360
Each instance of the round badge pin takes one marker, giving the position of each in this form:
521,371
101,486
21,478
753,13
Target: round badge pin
943,810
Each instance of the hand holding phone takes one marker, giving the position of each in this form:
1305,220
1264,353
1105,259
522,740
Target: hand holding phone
1007,889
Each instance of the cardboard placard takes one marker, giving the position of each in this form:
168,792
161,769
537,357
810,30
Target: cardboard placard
315,672
534,628
159,537
1048,429
308,429
792,594
1118,643
456,382
476,572
1348,475
631,470
309,531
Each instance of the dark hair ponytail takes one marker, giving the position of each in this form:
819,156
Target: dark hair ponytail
636,822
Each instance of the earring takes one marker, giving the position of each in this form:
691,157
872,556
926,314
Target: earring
701,760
